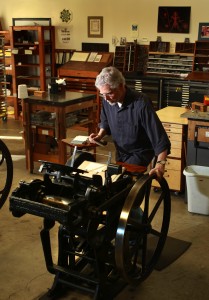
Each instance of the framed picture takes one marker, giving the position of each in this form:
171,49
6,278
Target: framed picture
174,19
122,40
31,21
95,27
203,33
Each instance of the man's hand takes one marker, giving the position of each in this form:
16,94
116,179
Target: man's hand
159,170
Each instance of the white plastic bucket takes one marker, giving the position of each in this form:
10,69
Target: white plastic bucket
197,180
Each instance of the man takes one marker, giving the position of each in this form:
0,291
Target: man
129,117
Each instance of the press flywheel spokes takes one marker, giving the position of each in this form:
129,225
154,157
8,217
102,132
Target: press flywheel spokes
142,230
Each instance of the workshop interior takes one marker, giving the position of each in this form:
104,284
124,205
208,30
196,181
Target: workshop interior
75,223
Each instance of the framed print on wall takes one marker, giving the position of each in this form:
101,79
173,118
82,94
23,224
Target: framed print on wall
173,19
203,33
95,27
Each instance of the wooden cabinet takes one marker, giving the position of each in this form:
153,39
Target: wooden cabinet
126,57
184,47
3,108
201,56
159,46
33,57
148,85
176,128
81,76
198,138
170,64
8,72
46,120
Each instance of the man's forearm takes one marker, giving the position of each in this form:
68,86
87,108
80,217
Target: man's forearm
101,133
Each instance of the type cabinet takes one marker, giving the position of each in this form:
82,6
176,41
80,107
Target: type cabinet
201,56
33,57
150,86
176,128
171,64
126,57
45,122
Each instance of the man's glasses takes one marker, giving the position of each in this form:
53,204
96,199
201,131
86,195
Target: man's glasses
106,94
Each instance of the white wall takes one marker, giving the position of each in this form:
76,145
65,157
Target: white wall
118,16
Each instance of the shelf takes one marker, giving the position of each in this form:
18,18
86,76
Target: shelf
201,56
33,57
172,64
126,57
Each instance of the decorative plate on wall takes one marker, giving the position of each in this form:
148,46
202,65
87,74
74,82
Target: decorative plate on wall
66,16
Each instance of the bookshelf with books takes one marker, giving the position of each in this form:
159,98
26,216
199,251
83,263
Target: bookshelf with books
33,58
5,34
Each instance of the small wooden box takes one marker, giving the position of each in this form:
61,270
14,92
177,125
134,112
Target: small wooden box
199,105
39,93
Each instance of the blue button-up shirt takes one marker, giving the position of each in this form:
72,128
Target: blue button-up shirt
136,130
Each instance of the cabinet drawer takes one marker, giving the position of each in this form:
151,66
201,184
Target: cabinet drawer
173,179
173,164
174,136
175,152
175,128
176,144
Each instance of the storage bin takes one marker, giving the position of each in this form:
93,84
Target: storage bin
197,180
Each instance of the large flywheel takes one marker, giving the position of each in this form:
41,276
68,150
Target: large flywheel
6,172
142,230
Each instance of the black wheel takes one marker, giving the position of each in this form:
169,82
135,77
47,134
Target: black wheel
142,223
6,171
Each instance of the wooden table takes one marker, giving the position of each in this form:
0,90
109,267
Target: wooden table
43,140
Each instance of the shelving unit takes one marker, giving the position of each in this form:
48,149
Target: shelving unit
147,85
62,56
126,57
3,107
184,47
33,58
201,56
158,46
170,64
8,71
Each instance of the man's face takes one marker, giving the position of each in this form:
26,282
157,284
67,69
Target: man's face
112,96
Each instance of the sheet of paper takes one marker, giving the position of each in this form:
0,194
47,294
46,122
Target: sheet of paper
79,56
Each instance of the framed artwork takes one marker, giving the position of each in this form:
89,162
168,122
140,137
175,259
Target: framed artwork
203,33
174,19
31,21
95,27
122,40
